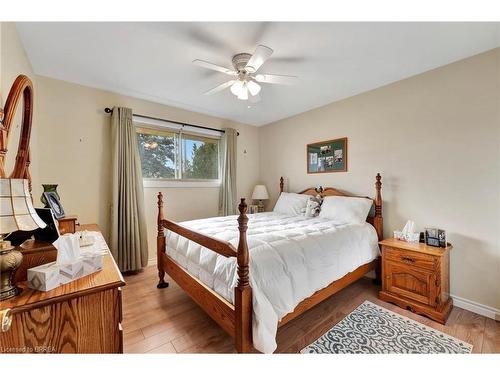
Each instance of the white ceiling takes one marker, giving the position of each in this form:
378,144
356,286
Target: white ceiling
333,60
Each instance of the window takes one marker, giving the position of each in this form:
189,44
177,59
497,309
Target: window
200,158
177,156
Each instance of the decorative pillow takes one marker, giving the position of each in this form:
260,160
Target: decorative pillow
346,210
291,204
313,206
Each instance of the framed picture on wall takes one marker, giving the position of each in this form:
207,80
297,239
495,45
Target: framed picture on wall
327,156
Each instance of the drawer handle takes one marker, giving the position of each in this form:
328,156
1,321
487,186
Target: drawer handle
408,260
5,319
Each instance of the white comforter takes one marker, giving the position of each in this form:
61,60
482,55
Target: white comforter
291,257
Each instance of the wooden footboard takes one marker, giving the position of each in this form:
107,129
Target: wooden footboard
234,319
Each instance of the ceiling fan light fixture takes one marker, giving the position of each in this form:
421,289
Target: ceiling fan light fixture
243,93
246,84
237,88
253,87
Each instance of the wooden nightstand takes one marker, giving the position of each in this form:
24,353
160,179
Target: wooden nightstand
417,277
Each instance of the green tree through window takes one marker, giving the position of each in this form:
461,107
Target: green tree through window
203,164
157,155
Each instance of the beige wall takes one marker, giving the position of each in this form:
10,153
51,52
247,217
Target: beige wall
435,140
74,138
13,61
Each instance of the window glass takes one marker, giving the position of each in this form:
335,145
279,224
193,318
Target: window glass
158,153
170,155
200,158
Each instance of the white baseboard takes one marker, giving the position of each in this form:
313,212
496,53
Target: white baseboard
478,308
152,262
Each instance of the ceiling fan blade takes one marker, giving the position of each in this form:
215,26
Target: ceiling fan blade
221,87
259,57
276,78
254,98
218,68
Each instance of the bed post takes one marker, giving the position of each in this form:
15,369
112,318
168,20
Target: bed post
378,223
243,292
282,184
160,245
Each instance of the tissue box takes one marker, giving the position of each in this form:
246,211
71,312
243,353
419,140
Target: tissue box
51,275
92,263
71,271
44,277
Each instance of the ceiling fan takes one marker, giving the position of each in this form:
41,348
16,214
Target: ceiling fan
245,81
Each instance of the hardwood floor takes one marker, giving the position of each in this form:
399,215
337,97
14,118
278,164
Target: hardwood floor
168,321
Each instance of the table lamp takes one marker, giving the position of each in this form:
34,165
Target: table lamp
260,193
16,213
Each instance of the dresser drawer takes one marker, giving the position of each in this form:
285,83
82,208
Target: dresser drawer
411,258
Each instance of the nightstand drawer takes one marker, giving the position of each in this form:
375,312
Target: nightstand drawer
411,258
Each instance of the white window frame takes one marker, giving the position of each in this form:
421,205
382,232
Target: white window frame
140,122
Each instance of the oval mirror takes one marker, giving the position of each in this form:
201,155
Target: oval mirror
21,88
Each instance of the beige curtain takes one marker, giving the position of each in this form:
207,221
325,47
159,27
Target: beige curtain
128,222
227,196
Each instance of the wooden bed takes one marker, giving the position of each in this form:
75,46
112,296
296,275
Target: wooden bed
237,319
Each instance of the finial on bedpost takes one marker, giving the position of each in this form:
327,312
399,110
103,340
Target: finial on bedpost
160,245
242,245
243,292
282,184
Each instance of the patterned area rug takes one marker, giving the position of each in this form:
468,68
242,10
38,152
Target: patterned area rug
372,329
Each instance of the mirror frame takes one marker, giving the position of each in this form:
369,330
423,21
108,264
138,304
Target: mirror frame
22,86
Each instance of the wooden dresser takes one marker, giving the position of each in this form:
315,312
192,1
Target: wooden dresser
83,316
416,277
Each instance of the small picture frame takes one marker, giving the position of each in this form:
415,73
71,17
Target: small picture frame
54,204
435,237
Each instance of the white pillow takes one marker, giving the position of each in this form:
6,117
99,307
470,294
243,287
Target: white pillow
291,204
346,210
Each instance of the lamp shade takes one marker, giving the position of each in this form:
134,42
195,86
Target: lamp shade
16,208
260,192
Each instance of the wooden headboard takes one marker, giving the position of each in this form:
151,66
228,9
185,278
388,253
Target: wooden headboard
376,220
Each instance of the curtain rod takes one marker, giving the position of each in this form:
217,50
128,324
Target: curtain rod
109,110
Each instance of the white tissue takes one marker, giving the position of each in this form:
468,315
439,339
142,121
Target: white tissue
408,233
408,228
68,249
